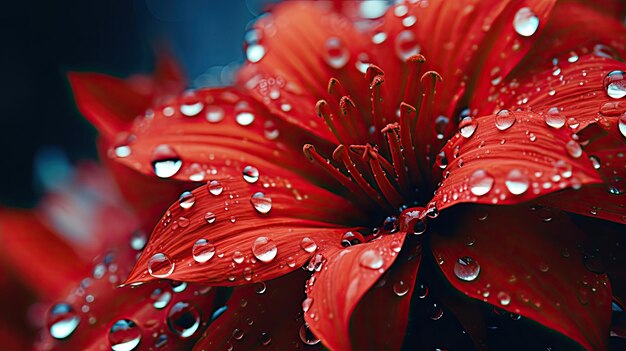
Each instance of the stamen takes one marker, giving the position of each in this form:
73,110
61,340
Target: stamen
349,113
363,150
393,140
411,93
408,119
336,89
324,111
389,191
429,81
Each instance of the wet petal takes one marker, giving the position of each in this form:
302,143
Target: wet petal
540,250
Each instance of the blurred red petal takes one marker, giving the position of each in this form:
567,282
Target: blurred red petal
535,270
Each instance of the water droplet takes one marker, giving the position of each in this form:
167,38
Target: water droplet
563,168
371,259
504,119
517,182
255,52
271,131
214,114
250,174
466,268
124,335
244,118
573,148
165,161
306,304
210,217
467,127
160,298
336,54
238,257
622,124
264,249
186,200
595,161
434,312
260,288
307,336
525,22
390,224
480,182
615,84
572,123
183,319
401,288
265,339
203,250
191,110
421,290
307,244
554,118
215,187
160,341
261,203
441,160
504,298
160,266
406,45
138,240
62,320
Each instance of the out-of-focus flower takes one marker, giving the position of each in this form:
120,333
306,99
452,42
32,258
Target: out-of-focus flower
463,162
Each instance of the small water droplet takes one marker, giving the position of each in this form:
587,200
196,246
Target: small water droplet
238,257
203,250
467,127
504,298
210,217
255,52
261,203
421,290
595,161
406,45
62,320
183,319
165,161
160,298
264,249
215,187
434,311
160,266
480,182
336,54
441,160
214,114
138,240
260,288
307,337
265,339
517,182
250,174
192,109
307,244
467,269
401,288
622,124
186,200
306,304
573,148
124,335
504,119
554,118
615,84
525,22
371,259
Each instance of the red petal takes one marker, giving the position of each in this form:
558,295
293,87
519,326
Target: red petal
534,269
522,162
99,304
296,211
344,278
262,315
387,302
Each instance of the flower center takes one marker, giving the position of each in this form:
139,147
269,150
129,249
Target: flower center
377,159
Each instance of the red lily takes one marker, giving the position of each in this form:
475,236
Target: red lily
456,147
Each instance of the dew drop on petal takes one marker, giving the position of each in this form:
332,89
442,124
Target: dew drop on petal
504,119
306,304
260,288
622,124
504,298
525,22
615,84
554,118
434,311
406,45
517,182
265,339
261,203
250,174
160,266
336,54
371,259
191,110
467,127
160,298
244,118
307,244
573,149
62,320
210,217
238,257
124,335
466,268
215,187
214,114
203,250
307,337
255,52
480,182
401,288
186,200
165,161
264,249
183,319
595,162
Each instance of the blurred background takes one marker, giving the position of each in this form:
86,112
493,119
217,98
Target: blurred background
42,40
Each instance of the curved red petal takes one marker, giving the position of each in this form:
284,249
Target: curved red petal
535,270
162,314
262,316
522,159
227,218
345,276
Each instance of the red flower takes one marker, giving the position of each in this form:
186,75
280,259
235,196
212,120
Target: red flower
465,153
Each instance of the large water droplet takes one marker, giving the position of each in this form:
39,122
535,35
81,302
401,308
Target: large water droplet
615,84
371,259
467,127
573,148
160,266
307,244
250,174
261,203
160,298
554,118
215,187
466,268
192,109
480,182
406,45
183,319
504,119
203,251
517,182
307,336
525,22
165,161
62,320
336,54
186,200
264,249
124,335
